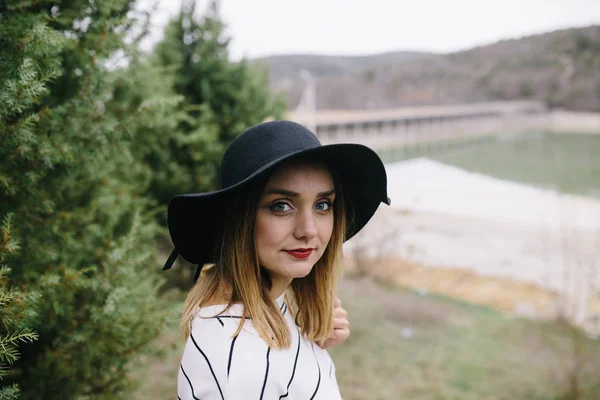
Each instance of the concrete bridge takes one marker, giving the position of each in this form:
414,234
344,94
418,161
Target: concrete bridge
381,129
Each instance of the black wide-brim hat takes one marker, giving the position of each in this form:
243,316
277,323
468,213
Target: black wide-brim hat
195,220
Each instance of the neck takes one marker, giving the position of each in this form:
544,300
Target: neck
279,286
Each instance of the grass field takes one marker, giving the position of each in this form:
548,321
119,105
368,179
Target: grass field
404,345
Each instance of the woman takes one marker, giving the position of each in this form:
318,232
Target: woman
276,227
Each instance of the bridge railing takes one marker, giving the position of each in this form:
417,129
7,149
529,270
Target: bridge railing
384,128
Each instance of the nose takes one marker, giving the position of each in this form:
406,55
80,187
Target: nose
306,227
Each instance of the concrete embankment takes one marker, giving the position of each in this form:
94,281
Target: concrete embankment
574,122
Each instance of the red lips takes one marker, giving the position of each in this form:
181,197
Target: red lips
300,253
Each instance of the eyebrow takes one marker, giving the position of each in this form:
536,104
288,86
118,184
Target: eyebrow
289,193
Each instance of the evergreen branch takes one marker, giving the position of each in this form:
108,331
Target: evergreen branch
6,298
4,370
92,64
10,392
8,354
25,335
8,245
4,270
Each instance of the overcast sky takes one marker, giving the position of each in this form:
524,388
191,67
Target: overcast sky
353,27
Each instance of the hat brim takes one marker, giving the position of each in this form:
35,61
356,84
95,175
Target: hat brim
194,219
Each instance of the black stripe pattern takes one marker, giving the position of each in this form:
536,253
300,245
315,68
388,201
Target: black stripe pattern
294,369
209,365
319,367
262,392
217,364
231,354
190,383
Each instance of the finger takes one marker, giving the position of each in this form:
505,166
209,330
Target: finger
340,313
336,337
340,323
337,302
339,335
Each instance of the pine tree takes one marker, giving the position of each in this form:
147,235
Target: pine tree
221,98
218,100
70,177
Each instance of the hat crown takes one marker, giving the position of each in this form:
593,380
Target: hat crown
262,145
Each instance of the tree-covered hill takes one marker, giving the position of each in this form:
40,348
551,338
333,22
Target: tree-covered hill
561,68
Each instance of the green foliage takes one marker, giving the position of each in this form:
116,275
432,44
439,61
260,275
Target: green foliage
71,178
142,97
17,310
220,100
90,154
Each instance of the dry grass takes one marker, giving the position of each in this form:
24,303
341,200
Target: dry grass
502,294
410,345
156,374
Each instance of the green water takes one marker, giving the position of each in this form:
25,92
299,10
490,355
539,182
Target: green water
569,163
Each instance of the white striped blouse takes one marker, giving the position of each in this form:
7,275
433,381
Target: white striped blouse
217,366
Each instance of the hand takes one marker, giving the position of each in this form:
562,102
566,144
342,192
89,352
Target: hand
341,326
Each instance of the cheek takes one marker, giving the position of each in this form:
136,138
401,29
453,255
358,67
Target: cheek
326,229
260,236
267,233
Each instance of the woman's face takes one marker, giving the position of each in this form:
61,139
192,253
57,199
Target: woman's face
294,220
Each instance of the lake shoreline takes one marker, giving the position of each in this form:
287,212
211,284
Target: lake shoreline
503,235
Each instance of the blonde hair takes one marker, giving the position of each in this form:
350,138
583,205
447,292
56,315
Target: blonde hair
237,273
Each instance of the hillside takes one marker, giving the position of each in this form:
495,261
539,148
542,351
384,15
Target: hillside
561,68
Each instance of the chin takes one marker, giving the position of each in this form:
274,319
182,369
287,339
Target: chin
297,271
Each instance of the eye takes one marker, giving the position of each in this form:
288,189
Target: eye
280,207
323,206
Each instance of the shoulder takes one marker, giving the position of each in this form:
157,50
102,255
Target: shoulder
205,358
207,333
215,321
